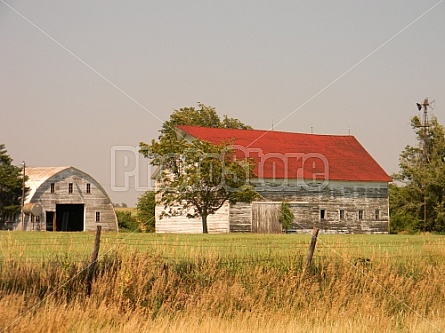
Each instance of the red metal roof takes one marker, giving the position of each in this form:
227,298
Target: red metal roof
285,155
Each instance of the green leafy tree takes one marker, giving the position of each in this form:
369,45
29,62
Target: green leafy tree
127,222
202,179
418,204
286,216
197,178
146,211
204,116
10,185
404,209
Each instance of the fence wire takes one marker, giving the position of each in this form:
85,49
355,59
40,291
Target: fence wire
44,246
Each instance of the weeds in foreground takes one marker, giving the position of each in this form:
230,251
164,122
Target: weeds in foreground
140,292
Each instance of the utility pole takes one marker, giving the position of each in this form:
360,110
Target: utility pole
23,196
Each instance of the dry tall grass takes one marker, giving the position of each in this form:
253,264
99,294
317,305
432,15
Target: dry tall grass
135,292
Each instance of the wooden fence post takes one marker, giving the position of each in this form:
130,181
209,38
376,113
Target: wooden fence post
93,260
312,246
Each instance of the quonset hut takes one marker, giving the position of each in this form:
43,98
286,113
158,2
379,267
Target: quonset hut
65,199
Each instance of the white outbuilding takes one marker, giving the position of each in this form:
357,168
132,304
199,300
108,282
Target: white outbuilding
65,199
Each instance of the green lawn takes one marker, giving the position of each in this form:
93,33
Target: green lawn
37,246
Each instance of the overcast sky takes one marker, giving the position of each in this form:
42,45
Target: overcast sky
83,82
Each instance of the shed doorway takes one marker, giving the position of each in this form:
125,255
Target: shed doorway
50,220
69,217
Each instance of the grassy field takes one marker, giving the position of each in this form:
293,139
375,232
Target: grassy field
222,283
132,210
35,246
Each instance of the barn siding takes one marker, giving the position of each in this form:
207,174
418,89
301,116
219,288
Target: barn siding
216,223
240,217
348,196
262,216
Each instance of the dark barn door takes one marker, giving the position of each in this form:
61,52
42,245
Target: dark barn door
49,221
69,217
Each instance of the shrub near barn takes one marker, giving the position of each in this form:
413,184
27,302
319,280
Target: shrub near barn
126,220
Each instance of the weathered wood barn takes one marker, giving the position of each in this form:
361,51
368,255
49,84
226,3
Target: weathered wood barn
64,199
329,181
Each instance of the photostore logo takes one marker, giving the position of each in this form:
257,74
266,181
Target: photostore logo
129,169
273,171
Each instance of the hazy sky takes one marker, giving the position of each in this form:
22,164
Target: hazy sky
83,82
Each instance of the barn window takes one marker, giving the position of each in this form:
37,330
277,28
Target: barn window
360,214
342,214
377,214
52,187
322,214
88,188
97,216
70,188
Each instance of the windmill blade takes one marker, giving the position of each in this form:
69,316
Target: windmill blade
432,104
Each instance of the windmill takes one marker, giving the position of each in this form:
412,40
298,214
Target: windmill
425,125
424,135
426,104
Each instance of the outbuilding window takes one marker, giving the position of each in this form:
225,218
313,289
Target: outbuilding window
97,216
52,188
88,188
70,188
377,214
360,214
322,214
342,214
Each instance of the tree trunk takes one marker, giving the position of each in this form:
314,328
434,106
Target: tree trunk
204,224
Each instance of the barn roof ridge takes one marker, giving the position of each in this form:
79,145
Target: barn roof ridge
185,127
